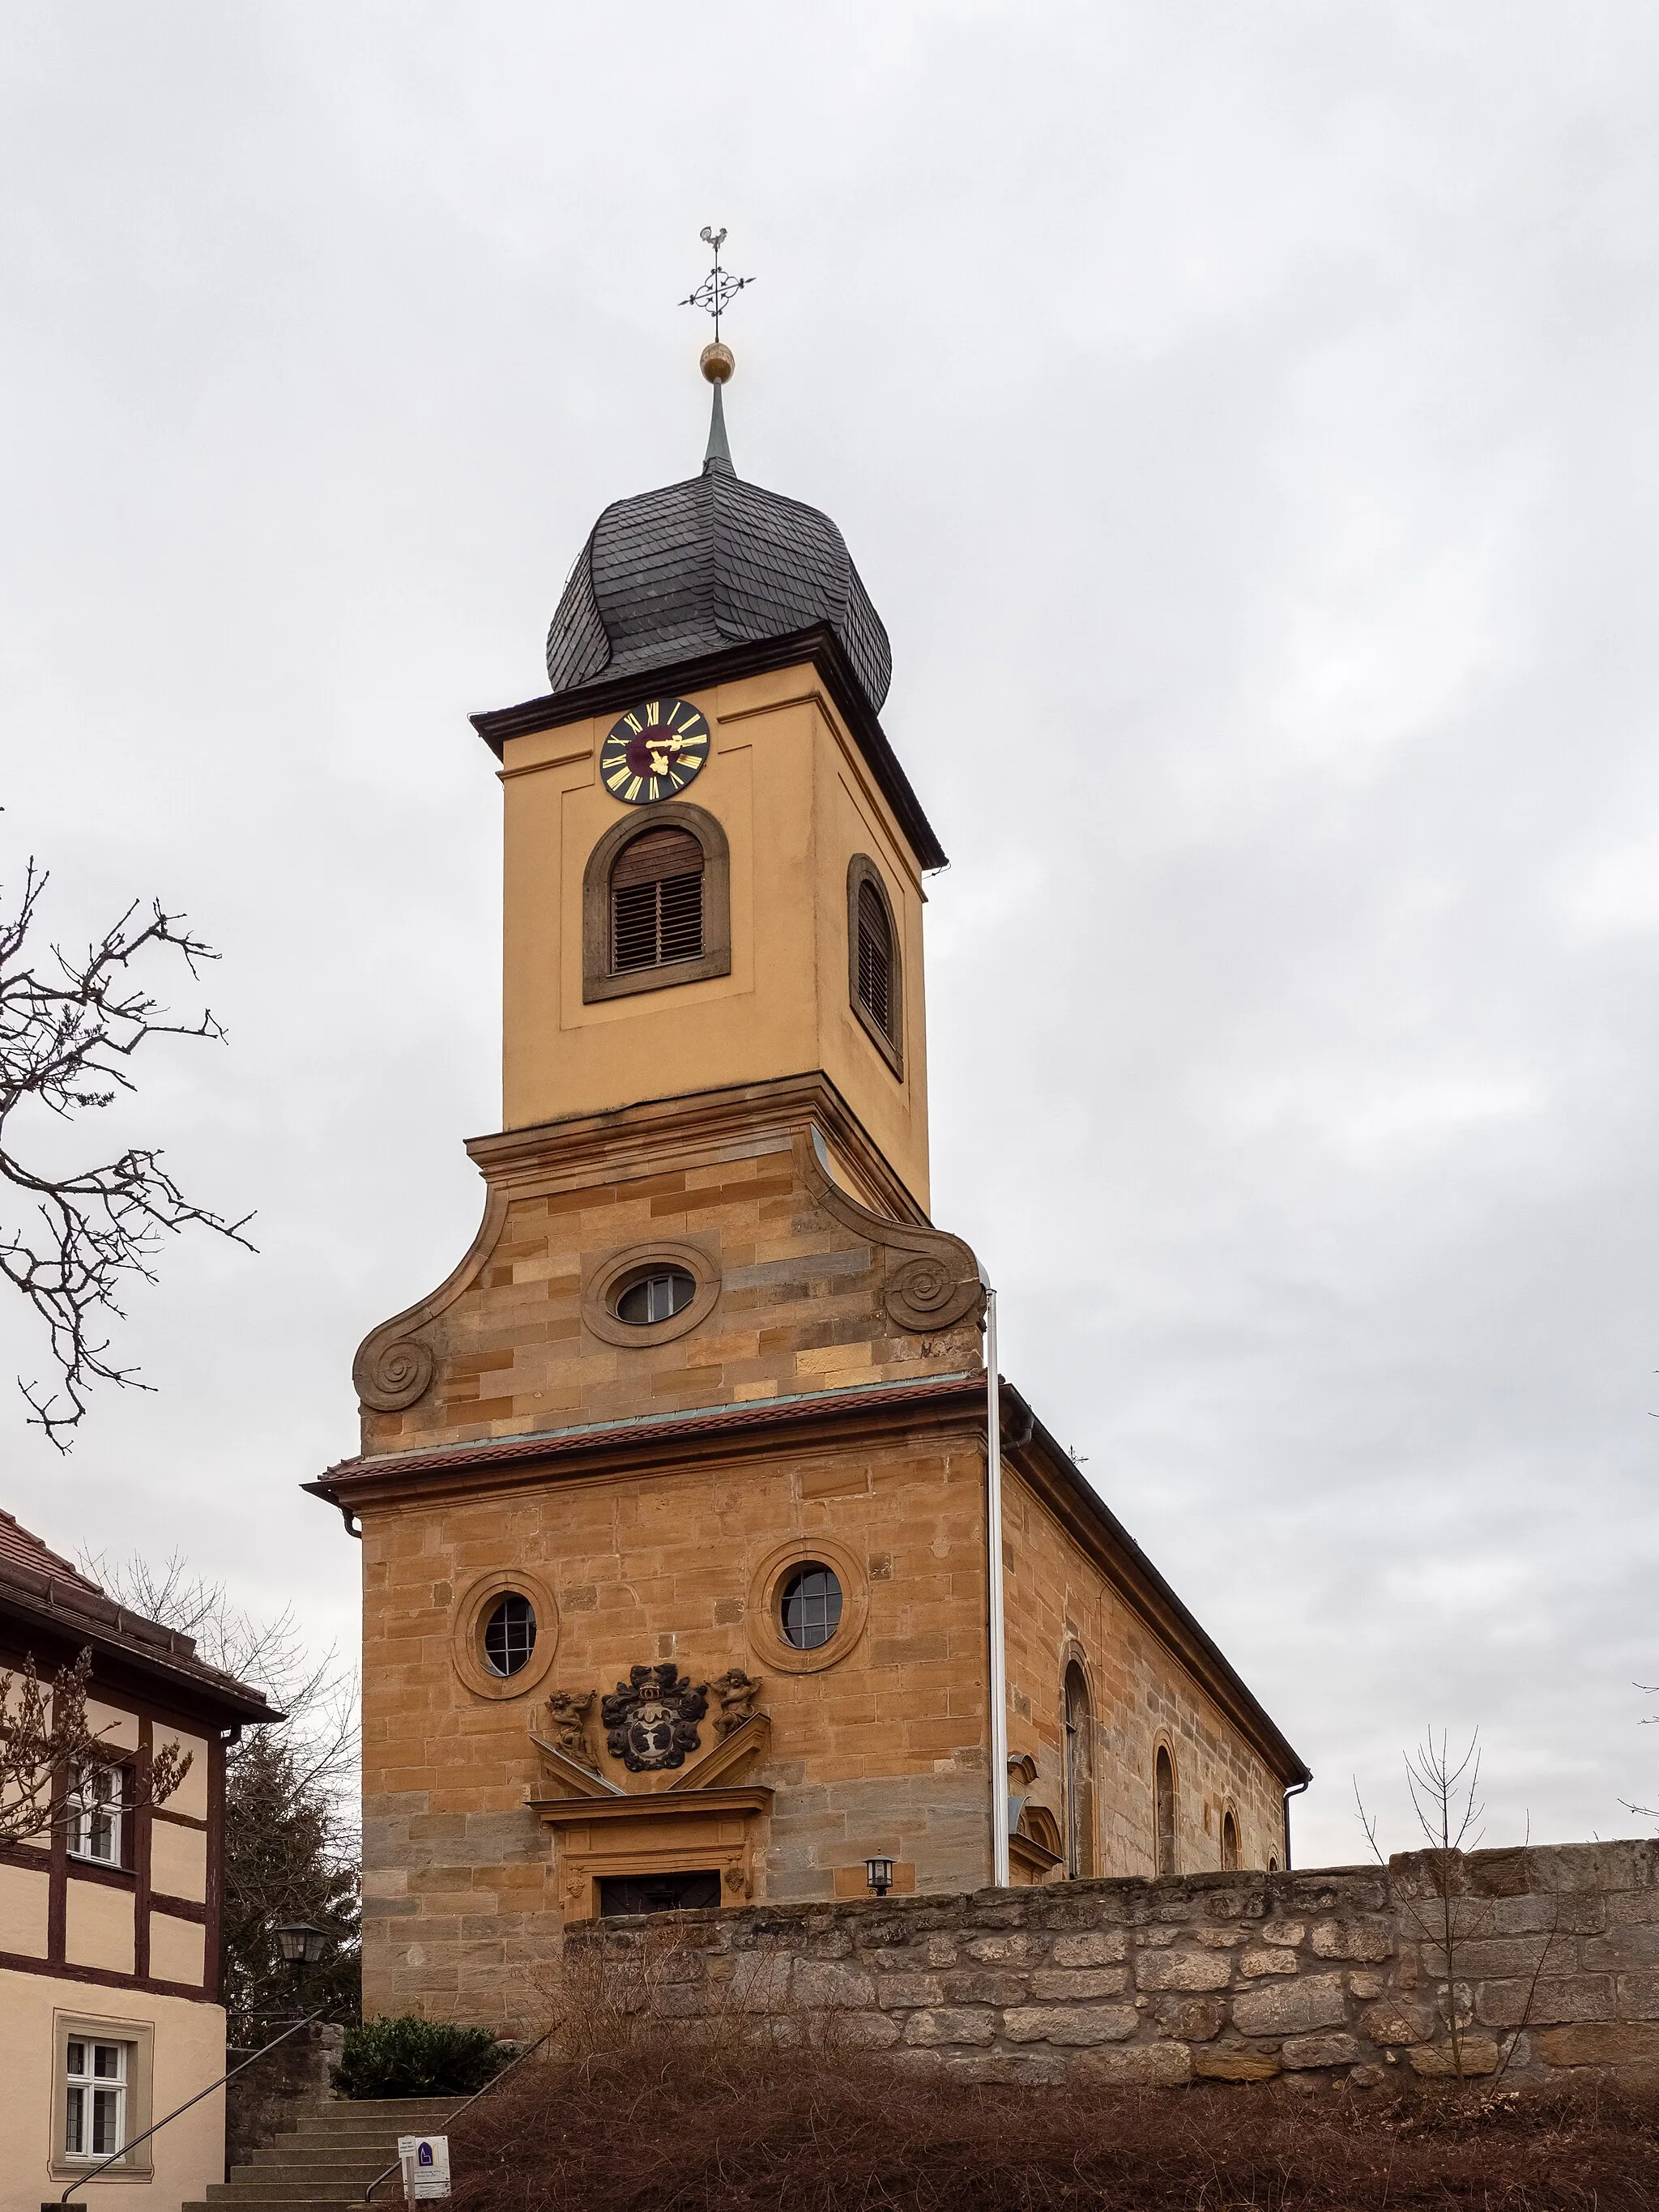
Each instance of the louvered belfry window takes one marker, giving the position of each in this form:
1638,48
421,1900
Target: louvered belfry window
656,901
875,958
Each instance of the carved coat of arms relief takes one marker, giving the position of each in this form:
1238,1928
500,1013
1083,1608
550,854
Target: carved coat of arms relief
651,1719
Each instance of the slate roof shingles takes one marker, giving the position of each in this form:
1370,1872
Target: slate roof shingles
709,563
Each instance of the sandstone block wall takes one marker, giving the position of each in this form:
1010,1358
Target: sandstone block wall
883,1750
1062,1608
798,1307
1339,1973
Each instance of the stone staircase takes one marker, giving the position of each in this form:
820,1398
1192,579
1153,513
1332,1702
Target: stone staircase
331,2158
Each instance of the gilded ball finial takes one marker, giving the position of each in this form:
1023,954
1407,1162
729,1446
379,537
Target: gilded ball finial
717,362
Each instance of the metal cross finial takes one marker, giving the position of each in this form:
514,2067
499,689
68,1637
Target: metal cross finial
719,288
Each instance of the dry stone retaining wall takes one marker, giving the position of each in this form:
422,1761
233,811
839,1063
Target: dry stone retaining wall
1224,1976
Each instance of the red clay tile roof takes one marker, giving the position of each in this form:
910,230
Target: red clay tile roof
703,1420
38,1585
22,1548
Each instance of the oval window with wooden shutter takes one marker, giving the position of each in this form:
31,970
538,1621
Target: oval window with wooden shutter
656,901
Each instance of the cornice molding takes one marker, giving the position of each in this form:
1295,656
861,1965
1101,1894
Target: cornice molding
652,1804
701,1128
946,1404
819,647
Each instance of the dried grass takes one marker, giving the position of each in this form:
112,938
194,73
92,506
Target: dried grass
678,2084
653,2124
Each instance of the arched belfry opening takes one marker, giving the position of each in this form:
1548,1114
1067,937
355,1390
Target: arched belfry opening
1080,1774
656,901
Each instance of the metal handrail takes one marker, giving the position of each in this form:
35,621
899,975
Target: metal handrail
93,2171
494,2082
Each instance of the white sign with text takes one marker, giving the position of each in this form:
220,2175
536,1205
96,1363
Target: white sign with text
425,2162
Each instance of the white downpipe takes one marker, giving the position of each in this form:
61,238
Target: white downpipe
999,1680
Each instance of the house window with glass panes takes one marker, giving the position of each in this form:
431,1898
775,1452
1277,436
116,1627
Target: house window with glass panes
95,2109
97,1814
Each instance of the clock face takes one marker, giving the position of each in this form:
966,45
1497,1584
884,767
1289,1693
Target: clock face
653,751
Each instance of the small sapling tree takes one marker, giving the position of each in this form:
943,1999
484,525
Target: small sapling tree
1446,1804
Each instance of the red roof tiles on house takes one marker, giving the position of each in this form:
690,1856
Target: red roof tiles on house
22,1548
39,1587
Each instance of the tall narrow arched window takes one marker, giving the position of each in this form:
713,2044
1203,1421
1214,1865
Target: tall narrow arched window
875,959
656,901
1229,1842
1164,1794
875,972
1079,1775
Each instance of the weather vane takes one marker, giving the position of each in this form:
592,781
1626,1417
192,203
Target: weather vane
719,288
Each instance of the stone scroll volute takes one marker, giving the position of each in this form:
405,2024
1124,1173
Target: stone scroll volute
396,1363
393,1372
931,1279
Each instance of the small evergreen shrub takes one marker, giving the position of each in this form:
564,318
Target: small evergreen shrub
411,2057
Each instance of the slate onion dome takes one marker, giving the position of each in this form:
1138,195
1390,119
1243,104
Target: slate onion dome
706,564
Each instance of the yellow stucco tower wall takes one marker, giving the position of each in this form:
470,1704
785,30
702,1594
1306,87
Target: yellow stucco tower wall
789,786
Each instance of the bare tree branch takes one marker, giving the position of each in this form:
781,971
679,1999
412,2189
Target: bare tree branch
54,1766
291,1789
71,1026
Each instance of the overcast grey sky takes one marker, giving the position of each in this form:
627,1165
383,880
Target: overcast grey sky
1243,417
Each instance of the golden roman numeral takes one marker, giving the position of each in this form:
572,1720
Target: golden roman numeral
632,791
632,721
651,712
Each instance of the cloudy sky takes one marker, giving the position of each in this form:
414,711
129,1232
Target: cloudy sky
1243,418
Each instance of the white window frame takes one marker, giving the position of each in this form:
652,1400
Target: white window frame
97,1812
84,2087
137,2039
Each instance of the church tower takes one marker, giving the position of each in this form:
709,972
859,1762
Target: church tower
716,673
673,1497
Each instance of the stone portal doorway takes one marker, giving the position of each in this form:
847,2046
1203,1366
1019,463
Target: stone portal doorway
622,1894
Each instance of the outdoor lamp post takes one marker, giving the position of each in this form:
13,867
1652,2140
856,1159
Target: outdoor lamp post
301,1946
880,1873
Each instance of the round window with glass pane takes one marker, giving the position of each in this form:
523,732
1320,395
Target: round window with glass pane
809,1607
509,1635
657,1297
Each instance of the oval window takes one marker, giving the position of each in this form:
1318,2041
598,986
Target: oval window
509,1635
656,1296
811,1607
